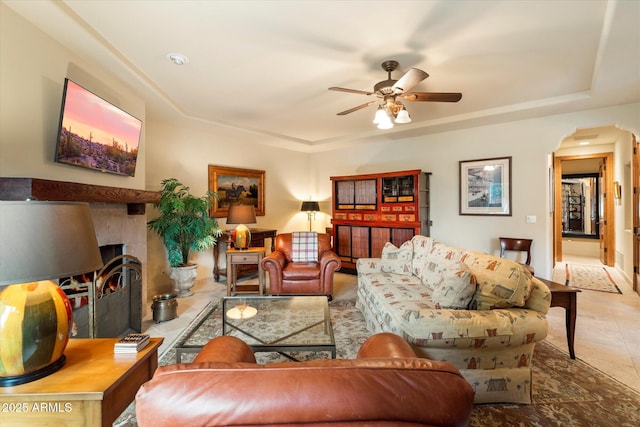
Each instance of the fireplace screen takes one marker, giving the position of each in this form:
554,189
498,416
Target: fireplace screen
107,303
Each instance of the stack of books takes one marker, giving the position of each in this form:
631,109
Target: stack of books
132,343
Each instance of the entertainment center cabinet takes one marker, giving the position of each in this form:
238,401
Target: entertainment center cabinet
373,209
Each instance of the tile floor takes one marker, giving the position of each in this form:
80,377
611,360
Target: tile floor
607,325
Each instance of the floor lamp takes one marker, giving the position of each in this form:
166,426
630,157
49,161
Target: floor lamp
310,208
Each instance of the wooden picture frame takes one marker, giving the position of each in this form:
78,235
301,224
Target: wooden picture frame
485,186
236,185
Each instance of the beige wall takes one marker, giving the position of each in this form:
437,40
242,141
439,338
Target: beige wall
180,151
32,71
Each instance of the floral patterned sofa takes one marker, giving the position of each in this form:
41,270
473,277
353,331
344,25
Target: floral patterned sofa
479,312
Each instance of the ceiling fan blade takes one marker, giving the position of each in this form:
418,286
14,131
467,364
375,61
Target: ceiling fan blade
433,96
409,80
359,107
342,89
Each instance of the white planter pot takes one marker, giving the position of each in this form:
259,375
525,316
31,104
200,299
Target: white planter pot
184,278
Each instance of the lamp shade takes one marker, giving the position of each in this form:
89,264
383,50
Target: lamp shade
39,241
310,207
46,240
241,214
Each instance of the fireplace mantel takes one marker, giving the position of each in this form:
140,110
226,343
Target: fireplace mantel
44,189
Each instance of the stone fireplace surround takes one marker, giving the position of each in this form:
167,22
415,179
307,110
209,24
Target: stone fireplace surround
119,214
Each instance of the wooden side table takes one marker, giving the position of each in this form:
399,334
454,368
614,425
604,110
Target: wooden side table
236,257
93,388
566,297
258,236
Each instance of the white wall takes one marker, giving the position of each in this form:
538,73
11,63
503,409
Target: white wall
581,247
624,232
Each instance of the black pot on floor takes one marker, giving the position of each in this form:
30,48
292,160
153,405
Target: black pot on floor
164,307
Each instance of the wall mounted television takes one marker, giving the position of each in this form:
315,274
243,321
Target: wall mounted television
95,134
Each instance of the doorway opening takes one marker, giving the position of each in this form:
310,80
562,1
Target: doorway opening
581,199
584,221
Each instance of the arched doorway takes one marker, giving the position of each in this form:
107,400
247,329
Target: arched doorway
617,149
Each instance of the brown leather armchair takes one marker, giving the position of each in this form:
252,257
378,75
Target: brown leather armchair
387,385
301,278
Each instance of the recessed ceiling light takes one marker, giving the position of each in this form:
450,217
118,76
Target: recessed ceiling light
178,58
584,143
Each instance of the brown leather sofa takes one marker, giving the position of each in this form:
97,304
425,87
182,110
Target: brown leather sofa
387,385
301,278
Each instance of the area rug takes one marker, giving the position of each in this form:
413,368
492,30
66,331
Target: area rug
590,277
565,392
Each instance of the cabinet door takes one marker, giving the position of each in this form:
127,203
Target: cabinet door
342,241
359,242
366,194
401,235
379,236
345,194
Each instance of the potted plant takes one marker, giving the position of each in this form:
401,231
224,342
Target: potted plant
184,225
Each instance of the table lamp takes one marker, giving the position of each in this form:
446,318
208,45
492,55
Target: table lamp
241,215
311,208
39,241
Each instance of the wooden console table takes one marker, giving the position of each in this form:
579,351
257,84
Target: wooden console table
93,388
566,297
258,235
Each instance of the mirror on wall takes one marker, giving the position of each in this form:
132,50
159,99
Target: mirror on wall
580,206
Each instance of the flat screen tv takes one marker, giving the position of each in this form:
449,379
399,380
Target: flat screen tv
95,134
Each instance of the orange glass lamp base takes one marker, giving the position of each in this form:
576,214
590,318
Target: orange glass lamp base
35,321
241,237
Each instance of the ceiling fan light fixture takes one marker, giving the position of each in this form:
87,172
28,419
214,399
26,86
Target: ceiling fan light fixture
380,116
403,116
386,123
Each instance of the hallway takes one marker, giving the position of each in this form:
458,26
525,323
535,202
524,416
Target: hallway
607,326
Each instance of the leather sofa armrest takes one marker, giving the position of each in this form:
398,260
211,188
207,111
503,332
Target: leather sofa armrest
329,259
225,349
385,344
275,262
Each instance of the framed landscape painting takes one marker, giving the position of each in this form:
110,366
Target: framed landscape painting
485,186
236,186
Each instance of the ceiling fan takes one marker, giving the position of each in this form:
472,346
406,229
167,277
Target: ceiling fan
391,91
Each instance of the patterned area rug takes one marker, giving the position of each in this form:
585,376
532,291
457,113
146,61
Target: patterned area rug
565,392
590,277
349,336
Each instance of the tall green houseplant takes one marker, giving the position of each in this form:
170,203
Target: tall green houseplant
184,224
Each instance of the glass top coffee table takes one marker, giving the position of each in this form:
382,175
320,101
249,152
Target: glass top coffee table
268,324
281,324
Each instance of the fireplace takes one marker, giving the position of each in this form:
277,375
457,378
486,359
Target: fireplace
118,214
108,302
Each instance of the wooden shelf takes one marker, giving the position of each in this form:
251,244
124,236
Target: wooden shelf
47,190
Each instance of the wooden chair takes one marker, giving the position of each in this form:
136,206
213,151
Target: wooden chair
517,245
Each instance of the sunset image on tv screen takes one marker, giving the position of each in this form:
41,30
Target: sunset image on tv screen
96,134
